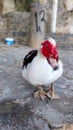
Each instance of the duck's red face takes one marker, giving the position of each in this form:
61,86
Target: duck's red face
49,50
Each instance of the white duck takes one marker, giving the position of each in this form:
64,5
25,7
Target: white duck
42,67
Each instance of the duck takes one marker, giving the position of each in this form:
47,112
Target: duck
42,67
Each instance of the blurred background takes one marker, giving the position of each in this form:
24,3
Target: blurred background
15,19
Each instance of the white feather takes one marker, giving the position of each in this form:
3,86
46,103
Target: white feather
40,72
53,42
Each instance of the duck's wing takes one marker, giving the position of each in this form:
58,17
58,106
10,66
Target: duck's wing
29,57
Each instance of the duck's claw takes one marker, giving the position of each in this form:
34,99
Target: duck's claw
40,93
51,93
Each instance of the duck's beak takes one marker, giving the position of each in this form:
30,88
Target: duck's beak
54,63
56,67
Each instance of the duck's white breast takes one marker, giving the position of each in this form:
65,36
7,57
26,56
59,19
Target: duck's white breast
39,72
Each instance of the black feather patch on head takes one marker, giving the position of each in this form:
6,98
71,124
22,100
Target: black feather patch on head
29,57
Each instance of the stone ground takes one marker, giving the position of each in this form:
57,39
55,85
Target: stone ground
19,110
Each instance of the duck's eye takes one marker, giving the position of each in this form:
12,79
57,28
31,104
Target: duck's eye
51,56
46,45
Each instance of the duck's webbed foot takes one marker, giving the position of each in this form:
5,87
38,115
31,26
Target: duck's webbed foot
51,93
40,93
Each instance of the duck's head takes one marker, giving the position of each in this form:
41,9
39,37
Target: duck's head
49,49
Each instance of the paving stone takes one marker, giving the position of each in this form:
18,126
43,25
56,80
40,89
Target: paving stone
19,110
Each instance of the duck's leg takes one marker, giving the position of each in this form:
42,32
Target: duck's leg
40,93
51,93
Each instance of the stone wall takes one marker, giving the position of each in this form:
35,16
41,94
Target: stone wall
65,16
7,6
65,12
15,25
